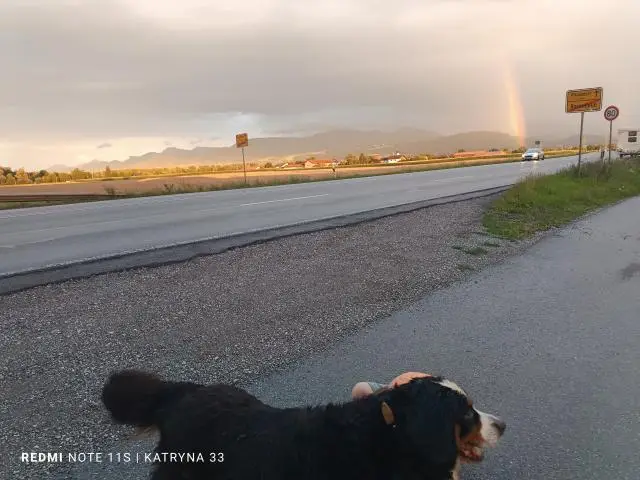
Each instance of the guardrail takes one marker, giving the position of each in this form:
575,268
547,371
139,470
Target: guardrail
56,198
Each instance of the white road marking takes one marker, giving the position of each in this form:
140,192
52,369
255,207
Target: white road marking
156,201
282,200
51,229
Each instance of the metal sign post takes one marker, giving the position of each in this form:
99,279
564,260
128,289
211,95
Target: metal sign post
584,100
242,140
580,147
610,114
244,167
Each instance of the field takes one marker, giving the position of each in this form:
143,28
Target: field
158,185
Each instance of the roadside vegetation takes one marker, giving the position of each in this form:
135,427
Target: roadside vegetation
10,205
542,202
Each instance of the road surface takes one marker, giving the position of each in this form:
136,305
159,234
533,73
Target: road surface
44,237
548,341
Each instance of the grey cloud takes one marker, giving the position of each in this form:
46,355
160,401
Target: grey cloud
104,145
95,69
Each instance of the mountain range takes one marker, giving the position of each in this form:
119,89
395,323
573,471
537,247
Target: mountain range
330,144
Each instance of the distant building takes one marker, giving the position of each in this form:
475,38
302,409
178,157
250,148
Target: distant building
291,165
325,163
395,158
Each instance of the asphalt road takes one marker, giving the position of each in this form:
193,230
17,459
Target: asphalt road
547,340
45,237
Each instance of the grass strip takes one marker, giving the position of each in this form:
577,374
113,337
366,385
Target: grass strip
541,202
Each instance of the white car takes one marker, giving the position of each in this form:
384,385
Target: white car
533,154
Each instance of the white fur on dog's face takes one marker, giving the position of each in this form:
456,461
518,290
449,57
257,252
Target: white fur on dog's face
485,431
489,428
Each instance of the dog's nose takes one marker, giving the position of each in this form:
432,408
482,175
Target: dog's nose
499,425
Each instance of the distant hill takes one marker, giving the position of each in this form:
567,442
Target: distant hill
59,168
333,143
465,141
587,139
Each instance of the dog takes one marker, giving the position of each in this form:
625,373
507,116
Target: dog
421,430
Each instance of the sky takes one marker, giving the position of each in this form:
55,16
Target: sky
108,79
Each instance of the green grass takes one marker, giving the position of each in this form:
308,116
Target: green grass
542,202
173,188
11,205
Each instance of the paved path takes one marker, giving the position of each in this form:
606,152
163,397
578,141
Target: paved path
548,340
51,236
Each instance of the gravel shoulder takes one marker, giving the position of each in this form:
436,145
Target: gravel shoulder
232,317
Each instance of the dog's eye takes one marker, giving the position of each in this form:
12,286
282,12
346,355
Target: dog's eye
468,415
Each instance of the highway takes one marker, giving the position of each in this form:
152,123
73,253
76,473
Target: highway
48,237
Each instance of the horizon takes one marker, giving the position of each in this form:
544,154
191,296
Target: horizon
190,146
112,79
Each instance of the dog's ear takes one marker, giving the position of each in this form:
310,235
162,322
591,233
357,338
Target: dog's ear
387,414
426,416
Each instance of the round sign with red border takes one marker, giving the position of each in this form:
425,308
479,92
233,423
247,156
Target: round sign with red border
611,113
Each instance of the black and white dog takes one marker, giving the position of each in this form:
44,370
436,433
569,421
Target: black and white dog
420,430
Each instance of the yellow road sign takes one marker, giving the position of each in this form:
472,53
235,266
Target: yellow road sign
242,140
585,100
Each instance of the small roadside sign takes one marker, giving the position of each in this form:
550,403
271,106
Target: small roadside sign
611,113
584,100
242,140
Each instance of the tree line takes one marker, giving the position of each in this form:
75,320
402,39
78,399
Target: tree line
8,176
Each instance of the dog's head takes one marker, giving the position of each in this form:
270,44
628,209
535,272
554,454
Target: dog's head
436,424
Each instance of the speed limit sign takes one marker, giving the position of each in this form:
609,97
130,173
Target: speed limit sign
611,113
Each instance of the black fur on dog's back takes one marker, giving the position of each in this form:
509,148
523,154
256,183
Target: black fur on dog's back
345,441
141,399
136,398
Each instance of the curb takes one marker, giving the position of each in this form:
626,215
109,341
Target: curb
176,253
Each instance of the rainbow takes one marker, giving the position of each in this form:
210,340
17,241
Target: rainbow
516,114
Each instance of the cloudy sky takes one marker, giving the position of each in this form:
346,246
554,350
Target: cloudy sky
85,79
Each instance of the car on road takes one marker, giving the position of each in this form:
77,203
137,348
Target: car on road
533,154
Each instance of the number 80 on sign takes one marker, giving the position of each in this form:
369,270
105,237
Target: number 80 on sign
611,113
